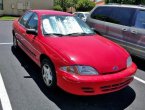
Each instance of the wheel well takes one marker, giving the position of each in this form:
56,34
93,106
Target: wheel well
43,56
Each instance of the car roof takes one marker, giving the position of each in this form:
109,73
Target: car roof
126,6
51,12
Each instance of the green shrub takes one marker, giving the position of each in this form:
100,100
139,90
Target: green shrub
85,5
57,8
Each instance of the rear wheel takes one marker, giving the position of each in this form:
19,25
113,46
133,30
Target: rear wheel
15,42
48,74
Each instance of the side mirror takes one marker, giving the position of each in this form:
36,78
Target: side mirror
31,31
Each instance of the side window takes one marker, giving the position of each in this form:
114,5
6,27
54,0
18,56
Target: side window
115,15
81,16
76,14
33,22
101,13
140,19
122,16
25,18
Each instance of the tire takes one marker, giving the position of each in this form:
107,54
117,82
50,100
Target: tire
48,74
15,42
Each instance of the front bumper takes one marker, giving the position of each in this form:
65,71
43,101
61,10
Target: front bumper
93,85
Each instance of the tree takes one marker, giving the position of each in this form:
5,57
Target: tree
80,5
66,3
57,8
85,5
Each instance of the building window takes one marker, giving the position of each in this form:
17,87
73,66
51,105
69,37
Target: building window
1,4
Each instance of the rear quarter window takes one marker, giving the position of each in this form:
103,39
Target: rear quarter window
140,19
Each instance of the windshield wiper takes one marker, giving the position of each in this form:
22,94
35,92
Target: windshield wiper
78,34
71,34
54,34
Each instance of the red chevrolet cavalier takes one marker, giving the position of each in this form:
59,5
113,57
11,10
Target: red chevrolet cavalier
71,55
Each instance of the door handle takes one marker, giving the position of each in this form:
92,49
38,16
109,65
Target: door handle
133,32
124,29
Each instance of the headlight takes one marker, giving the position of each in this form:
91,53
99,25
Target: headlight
82,70
129,61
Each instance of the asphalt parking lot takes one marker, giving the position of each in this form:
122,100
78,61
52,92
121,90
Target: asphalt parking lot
23,88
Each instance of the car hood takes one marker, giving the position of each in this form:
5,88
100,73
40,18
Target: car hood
102,54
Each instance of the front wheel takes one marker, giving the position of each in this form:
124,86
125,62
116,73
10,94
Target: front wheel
48,74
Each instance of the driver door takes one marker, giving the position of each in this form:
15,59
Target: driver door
32,40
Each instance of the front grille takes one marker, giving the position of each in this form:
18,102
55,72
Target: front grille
115,86
88,90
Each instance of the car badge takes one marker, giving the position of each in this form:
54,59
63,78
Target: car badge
115,68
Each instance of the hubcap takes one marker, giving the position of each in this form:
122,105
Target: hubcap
47,74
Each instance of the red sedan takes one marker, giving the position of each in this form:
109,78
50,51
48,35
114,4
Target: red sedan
71,55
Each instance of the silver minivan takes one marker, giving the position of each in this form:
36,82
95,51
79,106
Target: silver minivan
124,24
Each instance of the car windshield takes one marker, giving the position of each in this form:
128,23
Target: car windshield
64,25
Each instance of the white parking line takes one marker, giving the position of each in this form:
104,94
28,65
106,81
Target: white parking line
6,105
10,43
140,80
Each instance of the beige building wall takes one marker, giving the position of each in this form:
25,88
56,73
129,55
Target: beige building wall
1,12
18,7
42,4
